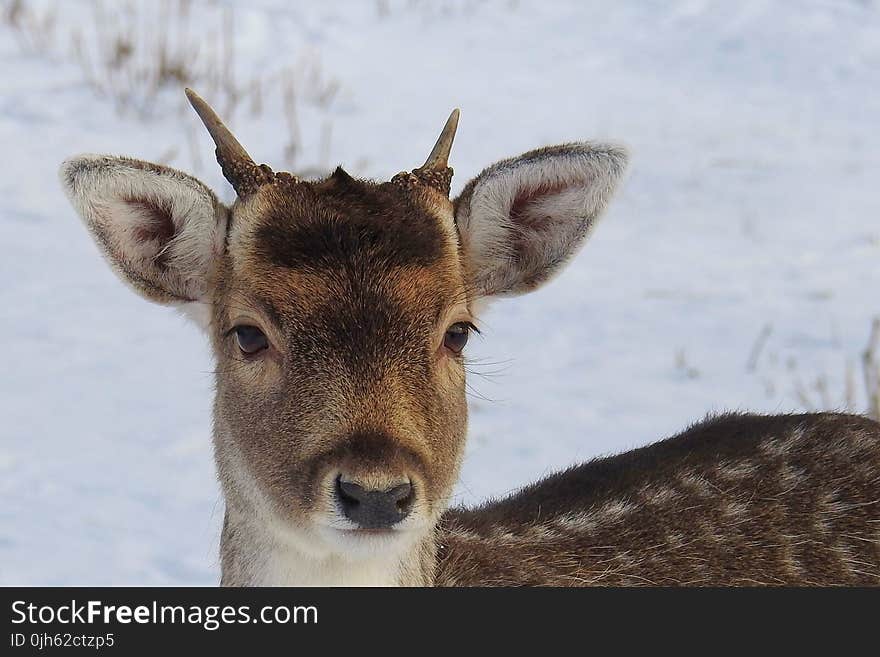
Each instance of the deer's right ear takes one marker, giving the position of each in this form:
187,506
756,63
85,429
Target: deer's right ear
159,228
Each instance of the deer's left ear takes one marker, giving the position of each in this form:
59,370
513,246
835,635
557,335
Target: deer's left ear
522,219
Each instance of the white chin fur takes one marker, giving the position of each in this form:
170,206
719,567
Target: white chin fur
323,556
355,546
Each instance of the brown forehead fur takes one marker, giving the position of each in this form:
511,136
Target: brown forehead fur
358,257
344,222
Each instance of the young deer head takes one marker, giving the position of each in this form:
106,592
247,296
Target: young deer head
338,310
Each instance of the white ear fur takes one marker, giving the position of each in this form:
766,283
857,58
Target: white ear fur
522,219
159,228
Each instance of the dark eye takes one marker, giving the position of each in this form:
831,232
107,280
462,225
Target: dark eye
457,336
250,339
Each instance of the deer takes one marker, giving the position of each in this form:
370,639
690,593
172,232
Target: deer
338,310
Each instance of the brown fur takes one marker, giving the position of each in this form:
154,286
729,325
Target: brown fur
736,500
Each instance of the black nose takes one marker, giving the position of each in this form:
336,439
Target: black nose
374,509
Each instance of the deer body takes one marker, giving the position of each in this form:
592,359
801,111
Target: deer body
738,500
338,311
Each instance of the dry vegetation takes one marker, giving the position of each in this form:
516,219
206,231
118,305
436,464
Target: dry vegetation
138,54
871,370
860,390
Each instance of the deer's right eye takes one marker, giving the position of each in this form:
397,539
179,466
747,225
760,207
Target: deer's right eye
250,339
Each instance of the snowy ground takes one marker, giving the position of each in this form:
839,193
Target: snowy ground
753,202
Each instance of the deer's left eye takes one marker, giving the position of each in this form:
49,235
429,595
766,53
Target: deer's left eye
457,336
250,339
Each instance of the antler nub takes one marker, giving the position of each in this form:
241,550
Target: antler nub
436,172
238,167
439,157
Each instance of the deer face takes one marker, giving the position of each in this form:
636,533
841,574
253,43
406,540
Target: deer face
338,311
339,315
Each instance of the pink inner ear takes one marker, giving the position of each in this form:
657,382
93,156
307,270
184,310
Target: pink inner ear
156,224
519,211
153,227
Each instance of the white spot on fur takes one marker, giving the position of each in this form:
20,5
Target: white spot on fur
774,448
577,522
710,532
659,496
790,477
696,483
735,470
542,532
735,509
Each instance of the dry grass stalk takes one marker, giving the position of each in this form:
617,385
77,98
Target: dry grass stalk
132,53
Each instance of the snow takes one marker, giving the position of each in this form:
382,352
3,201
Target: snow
752,202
